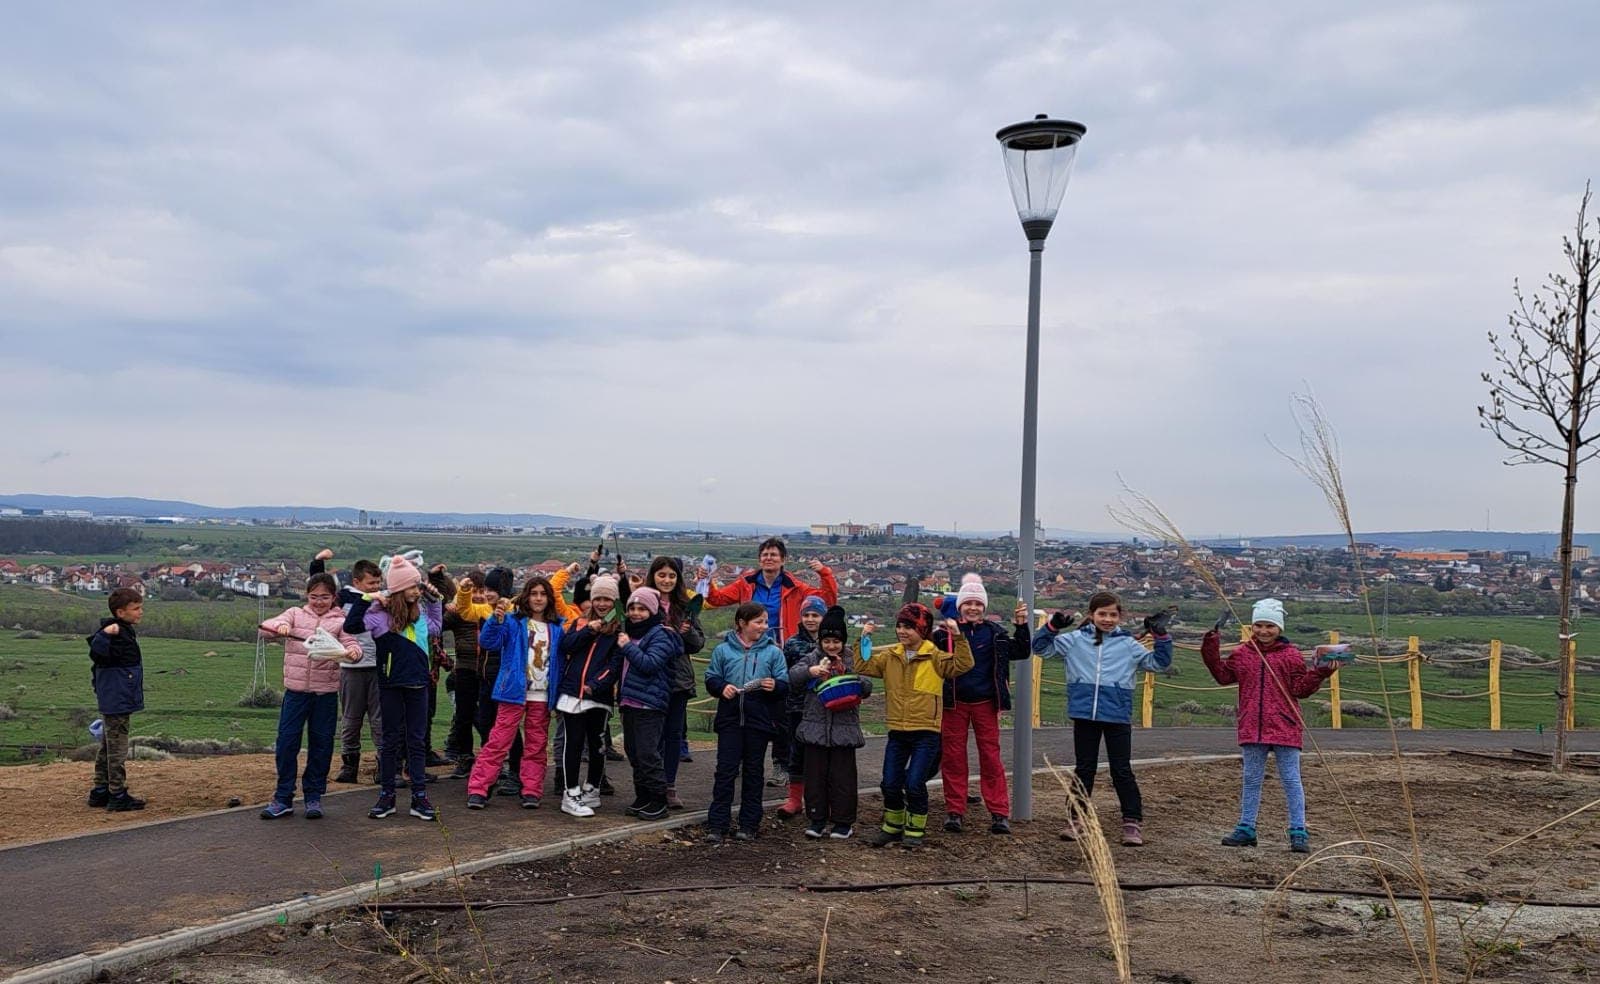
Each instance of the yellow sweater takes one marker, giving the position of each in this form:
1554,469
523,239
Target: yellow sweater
914,685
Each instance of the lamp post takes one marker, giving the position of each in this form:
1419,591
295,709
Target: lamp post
1038,156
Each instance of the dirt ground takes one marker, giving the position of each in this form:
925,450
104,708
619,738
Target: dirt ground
758,926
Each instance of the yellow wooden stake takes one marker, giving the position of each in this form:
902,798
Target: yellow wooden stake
1333,689
1038,671
1571,670
1414,677
1494,684
1149,709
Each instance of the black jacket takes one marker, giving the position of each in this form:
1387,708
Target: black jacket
118,673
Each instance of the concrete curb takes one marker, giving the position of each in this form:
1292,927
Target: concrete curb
87,966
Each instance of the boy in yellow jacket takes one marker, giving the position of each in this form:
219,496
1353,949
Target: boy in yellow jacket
913,672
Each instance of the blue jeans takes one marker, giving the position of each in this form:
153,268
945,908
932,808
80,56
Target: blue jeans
404,737
319,715
1255,770
910,759
672,738
740,752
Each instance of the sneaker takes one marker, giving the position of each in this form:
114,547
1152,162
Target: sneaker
841,831
744,835
1132,834
817,829
684,756
590,797
276,809
632,809
477,801
606,789
313,809
1000,825
612,755
778,780
434,760
912,843
463,769
673,802
99,796
1243,836
952,823
531,801
1071,831
422,809
974,798
508,786
122,802
572,803
883,838
653,810
1299,841
383,808
714,838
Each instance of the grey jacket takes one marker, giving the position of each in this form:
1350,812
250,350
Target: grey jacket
820,726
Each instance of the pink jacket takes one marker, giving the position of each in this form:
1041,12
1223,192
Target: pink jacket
1266,715
300,672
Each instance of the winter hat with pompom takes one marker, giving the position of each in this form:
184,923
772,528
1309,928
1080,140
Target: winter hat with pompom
972,589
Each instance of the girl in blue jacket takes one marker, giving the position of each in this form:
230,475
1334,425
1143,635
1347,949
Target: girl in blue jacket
527,633
1102,659
749,678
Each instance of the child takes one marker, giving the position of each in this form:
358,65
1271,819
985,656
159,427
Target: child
680,609
119,693
310,696
791,766
1273,678
977,698
913,671
747,676
1101,659
401,624
829,737
463,681
590,663
650,649
527,633
358,681
497,585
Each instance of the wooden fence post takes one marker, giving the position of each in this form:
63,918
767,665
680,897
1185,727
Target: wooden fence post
1149,710
1414,677
1333,690
1571,671
1494,684
1038,672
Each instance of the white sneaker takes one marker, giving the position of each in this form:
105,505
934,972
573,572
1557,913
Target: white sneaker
572,802
590,797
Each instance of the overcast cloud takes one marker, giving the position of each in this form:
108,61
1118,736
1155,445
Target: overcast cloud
761,264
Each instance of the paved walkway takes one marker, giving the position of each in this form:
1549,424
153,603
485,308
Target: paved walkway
90,893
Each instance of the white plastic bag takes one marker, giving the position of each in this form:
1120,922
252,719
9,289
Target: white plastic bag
322,645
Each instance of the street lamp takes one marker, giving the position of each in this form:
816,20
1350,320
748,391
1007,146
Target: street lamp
1038,156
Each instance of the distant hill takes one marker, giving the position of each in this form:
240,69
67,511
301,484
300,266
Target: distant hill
1538,544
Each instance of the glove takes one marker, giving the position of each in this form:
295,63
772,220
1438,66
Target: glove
1222,621
1156,624
1060,621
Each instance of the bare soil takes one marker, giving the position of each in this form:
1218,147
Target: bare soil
758,926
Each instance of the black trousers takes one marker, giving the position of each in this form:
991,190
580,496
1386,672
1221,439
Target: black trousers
830,778
583,734
1086,738
465,717
740,755
641,733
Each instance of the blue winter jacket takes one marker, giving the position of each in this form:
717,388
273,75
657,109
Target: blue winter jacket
734,662
647,664
588,659
118,673
509,634
1101,668
993,651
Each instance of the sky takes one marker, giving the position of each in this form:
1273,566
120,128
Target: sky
760,264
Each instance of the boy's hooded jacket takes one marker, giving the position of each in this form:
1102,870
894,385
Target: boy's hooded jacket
793,593
301,673
509,635
736,663
118,673
404,659
913,683
1266,715
1101,668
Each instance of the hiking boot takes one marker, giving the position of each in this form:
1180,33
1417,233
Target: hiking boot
572,803
1000,825
383,808
99,796
1243,835
673,802
276,809
422,809
1132,834
313,809
883,838
652,810
477,801
1299,840
590,796
123,802
531,801
435,761
463,769
913,843
817,829
348,766
841,831
952,823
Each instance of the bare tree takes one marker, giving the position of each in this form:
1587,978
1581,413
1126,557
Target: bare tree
1540,398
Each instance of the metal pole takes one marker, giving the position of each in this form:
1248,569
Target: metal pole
1022,701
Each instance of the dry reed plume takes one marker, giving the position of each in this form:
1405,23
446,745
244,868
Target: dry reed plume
1102,869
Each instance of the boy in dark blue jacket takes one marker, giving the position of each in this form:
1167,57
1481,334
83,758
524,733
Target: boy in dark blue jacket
119,692
748,676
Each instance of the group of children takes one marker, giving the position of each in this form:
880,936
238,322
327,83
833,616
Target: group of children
535,672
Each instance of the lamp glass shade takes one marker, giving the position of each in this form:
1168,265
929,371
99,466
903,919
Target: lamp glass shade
1039,155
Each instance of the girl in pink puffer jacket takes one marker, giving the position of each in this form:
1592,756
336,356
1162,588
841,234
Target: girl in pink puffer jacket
310,695
1273,678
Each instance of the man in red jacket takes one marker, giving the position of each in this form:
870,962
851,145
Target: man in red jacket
775,589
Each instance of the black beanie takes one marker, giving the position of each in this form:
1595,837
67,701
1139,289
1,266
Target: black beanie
833,625
499,580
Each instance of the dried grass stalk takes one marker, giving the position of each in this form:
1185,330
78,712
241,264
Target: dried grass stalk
1097,855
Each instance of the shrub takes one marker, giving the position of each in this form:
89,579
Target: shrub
30,634
261,697
1190,707
143,753
1361,709
6,713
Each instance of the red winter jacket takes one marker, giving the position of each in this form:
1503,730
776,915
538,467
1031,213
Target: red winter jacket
1266,716
794,592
